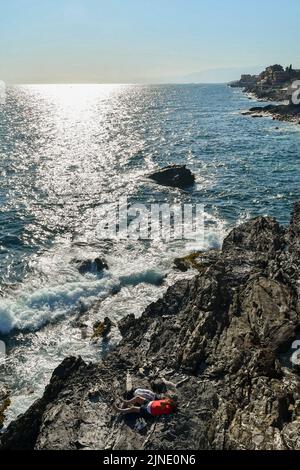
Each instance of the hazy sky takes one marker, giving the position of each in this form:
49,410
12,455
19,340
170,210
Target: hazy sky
144,40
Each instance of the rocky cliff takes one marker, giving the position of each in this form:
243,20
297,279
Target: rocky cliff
220,341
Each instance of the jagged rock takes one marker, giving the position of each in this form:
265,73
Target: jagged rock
102,328
182,264
293,232
282,112
225,330
89,266
126,323
188,262
262,234
174,175
4,403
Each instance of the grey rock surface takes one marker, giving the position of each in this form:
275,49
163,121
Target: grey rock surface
218,340
174,175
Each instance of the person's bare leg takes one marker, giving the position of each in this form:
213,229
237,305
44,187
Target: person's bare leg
135,401
127,411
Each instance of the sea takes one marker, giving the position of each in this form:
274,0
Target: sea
67,153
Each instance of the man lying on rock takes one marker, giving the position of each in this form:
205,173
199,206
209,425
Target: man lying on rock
146,403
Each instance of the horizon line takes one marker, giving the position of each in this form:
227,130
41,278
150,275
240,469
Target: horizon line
114,83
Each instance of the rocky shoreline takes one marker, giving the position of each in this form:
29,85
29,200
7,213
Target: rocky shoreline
219,341
273,84
284,112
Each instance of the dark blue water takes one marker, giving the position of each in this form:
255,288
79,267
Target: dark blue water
68,151
61,146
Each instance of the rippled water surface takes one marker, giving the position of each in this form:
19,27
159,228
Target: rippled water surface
66,151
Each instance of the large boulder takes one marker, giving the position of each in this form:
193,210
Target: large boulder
174,175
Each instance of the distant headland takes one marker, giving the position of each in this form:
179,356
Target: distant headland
275,83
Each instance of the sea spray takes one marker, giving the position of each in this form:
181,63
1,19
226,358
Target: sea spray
31,310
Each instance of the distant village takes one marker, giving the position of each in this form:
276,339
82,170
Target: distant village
273,84
275,75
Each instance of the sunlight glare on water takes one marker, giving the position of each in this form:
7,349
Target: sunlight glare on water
66,151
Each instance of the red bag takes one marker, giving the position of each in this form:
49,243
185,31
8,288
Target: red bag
162,407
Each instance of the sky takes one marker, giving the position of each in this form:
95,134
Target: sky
144,41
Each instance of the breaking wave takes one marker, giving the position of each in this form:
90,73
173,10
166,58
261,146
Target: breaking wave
32,309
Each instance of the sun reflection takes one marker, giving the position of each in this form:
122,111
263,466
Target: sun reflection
74,100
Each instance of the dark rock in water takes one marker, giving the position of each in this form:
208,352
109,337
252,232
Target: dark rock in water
100,264
174,175
126,323
189,262
257,109
217,339
181,264
89,266
282,112
102,328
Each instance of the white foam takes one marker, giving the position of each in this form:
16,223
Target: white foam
32,309
46,303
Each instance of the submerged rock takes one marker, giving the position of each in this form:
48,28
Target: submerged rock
91,266
174,175
102,328
220,335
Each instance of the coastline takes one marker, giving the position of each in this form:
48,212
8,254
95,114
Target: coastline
274,84
214,340
283,112
48,306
